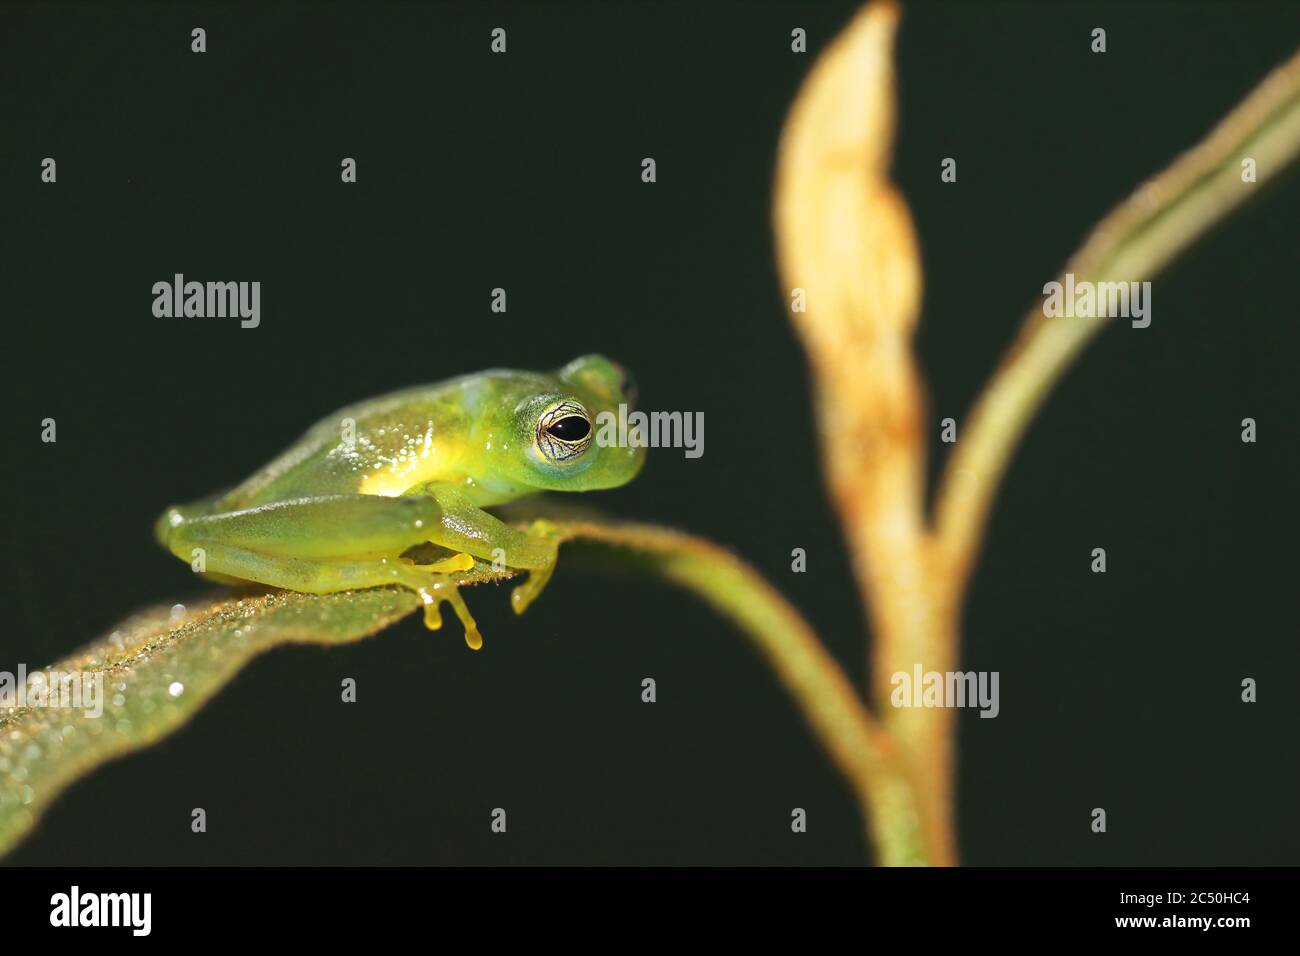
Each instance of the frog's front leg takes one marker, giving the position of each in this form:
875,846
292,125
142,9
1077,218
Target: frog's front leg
464,527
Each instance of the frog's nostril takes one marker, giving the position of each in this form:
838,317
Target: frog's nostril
627,385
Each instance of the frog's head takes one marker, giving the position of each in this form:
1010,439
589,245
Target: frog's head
566,427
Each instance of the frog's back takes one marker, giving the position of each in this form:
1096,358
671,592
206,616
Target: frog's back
379,446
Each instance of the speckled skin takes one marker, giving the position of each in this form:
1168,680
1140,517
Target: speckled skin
338,509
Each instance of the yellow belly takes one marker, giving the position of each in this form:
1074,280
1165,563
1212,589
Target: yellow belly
418,460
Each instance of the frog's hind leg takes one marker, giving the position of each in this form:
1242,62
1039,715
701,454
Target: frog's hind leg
327,544
177,515
337,542
329,526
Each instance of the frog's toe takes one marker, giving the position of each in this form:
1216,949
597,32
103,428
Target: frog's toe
438,588
525,594
457,562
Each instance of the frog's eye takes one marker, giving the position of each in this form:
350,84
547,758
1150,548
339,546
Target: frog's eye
563,431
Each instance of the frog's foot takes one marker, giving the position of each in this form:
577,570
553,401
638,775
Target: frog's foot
440,589
433,589
525,594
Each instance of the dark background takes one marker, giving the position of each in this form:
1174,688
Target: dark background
475,171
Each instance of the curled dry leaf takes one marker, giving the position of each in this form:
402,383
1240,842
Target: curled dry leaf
845,237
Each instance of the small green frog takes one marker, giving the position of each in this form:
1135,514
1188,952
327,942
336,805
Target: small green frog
342,507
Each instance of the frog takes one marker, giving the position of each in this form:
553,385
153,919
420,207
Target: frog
399,490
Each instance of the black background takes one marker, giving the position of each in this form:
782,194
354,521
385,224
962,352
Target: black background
523,171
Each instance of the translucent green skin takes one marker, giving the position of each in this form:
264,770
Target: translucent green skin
340,507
